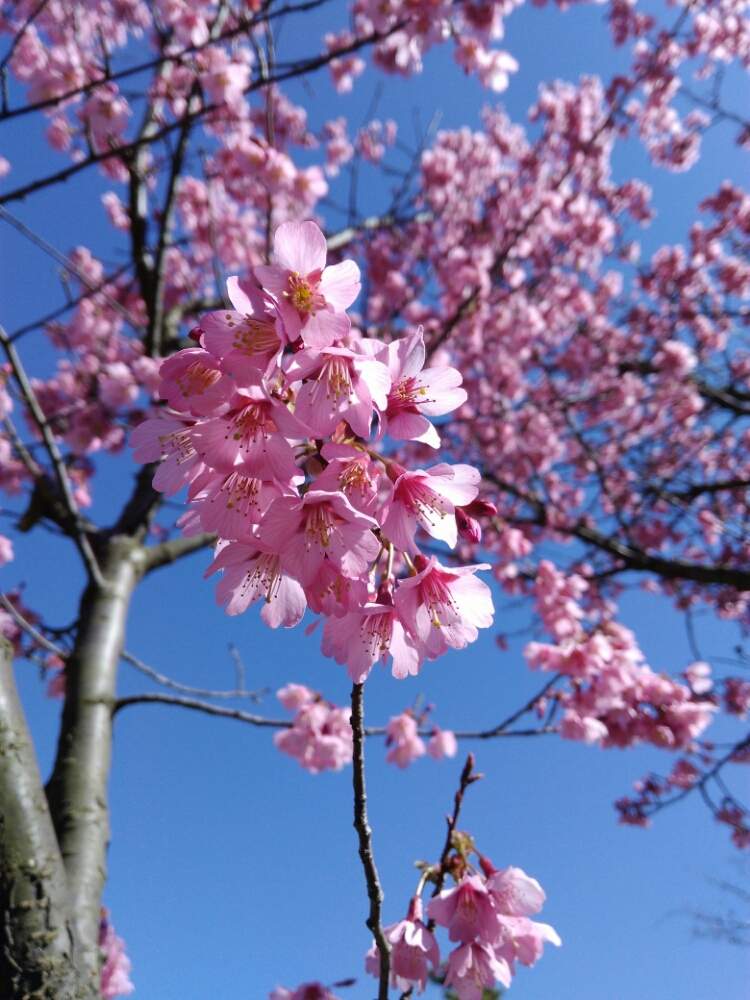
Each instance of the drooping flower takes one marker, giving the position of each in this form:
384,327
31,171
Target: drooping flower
402,736
474,967
339,385
444,607
442,744
427,498
467,911
373,632
251,575
317,528
414,951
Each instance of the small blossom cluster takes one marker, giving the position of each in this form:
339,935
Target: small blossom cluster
406,745
271,423
654,792
615,698
486,914
115,975
307,991
320,735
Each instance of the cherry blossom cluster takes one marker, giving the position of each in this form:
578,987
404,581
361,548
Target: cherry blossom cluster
307,991
615,698
654,792
115,981
320,736
487,916
272,422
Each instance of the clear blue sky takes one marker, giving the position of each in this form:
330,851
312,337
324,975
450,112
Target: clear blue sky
231,869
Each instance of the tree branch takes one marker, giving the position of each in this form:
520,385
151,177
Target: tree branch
156,556
197,705
58,464
364,833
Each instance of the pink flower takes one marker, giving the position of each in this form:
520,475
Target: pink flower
417,392
413,950
308,991
115,974
580,727
310,296
523,940
192,381
351,472
247,339
474,967
254,433
340,385
403,739
251,575
466,910
321,527
367,635
428,499
442,607
6,550
167,439
442,744
229,505
295,696
320,738
515,893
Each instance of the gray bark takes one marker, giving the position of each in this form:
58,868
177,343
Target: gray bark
36,945
77,789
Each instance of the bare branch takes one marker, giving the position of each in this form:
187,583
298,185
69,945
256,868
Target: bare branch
34,633
364,833
69,266
58,463
168,552
196,705
169,682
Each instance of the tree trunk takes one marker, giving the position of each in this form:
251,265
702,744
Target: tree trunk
36,943
77,789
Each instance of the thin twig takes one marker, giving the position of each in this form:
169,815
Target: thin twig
34,633
69,266
468,777
169,682
200,706
58,463
364,833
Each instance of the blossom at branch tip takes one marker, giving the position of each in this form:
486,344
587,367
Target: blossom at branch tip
414,951
403,739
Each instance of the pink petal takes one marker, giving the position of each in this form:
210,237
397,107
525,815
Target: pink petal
340,284
300,247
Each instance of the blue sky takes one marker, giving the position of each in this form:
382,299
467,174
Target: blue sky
231,869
